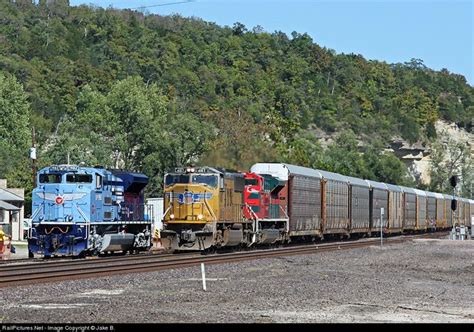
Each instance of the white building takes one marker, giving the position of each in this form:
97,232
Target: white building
156,204
12,210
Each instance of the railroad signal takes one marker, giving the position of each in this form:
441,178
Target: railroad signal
453,180
454,204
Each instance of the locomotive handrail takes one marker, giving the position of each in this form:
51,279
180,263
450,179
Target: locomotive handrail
255,224
83,214
36,212
287,219
209,209
168,209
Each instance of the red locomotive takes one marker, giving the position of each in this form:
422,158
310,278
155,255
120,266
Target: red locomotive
265,202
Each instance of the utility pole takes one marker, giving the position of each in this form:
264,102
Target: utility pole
33,155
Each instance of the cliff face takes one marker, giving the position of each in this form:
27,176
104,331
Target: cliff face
417,156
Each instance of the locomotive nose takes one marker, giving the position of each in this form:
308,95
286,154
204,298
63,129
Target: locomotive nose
190,204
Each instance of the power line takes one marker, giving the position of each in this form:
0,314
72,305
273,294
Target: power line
164,4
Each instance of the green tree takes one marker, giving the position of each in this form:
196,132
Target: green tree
448,159
15,136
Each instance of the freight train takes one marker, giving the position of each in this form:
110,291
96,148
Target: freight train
80,211
208,207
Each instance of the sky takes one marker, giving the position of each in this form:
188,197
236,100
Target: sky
439,32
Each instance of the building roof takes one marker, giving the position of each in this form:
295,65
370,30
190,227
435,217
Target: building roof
5,195
8,207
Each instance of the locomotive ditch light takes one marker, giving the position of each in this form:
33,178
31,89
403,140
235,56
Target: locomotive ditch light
172,216
200,216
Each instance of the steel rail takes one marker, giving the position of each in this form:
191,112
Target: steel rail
59,259
99,268
25,265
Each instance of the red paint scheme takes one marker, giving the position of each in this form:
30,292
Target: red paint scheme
264,200
255,197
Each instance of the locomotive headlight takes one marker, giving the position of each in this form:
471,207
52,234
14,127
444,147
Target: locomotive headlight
200,216
171,216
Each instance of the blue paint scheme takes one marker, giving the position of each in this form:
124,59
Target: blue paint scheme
72,242
83,202
76,198
190,197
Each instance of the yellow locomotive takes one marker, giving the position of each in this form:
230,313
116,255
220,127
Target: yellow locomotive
203,208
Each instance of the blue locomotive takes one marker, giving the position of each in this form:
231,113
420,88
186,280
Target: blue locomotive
80,211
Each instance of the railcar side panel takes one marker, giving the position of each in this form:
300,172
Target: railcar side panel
447,211
440,213
395,209
456,213
420,212
465,212
337,207
409,221
380,200
431,214
304,204
360,209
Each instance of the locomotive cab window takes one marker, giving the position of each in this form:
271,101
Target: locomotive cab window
78,178
171,179
251,182
50,178
210,180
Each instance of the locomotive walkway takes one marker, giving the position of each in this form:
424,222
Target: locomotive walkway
17,274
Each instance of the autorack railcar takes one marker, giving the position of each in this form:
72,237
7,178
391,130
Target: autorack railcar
306,203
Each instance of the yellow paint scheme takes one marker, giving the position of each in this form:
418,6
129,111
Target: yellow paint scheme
189,210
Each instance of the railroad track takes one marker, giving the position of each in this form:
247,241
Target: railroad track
27,274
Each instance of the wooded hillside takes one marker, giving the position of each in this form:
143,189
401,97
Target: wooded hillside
145,92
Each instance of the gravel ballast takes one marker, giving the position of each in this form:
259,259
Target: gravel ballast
419,281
